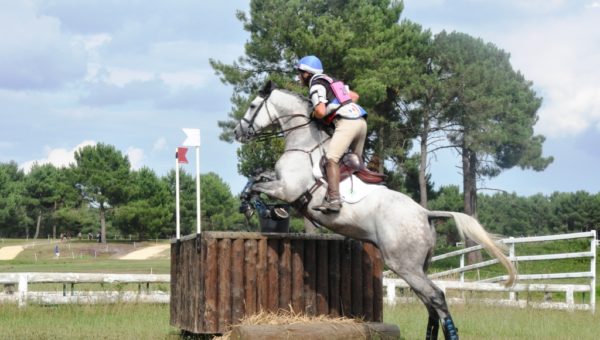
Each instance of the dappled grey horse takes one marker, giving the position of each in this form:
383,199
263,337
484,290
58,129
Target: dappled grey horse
401,228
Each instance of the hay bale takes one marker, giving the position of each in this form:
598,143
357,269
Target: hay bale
287,324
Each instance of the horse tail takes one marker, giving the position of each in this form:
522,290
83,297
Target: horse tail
469,227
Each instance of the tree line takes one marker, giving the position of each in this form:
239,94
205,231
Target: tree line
100,194
100,185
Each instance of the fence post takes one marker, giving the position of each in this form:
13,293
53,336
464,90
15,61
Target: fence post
390,289
593,272
511,258
22,299
462,264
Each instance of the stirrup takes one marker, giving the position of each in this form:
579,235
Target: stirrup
328,206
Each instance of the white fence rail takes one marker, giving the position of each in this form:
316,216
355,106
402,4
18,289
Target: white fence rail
493,285
23,295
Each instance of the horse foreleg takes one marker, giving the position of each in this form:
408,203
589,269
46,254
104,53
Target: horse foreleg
272,189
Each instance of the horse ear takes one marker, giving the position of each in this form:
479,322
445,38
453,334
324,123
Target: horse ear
267,88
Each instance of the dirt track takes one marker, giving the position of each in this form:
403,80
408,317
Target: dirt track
10,252
146,253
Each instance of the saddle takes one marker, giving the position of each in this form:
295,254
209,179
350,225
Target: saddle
351,164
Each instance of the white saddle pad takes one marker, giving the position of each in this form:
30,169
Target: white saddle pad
352,189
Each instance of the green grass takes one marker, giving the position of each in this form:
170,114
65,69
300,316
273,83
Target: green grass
148,321
102,321
484,322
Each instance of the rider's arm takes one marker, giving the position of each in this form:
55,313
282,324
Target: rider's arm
354,96
320,111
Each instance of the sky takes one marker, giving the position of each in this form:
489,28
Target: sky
134,73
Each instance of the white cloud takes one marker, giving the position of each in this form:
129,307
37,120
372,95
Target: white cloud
136,156
36,54
560,57
160,144
59,157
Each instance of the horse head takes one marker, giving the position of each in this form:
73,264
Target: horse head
258,116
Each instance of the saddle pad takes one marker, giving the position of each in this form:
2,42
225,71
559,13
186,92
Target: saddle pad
353,189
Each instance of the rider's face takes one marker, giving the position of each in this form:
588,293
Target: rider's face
303,77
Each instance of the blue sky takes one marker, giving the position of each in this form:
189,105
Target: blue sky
132,74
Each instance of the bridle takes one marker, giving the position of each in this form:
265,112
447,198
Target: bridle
251,134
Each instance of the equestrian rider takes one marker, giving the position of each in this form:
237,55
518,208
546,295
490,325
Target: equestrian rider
334,103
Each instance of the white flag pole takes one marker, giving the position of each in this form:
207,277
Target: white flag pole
198,189
177,225
193,139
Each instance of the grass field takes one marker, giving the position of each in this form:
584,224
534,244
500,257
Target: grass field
137,321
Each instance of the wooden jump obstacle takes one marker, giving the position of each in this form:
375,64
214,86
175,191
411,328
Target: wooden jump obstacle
219,277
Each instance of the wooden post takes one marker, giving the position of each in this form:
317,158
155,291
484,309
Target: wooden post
322,278
211,281
273,274
377,285
262,284
346,278
237,280
250,282
298,276
334,278
285,274
224,285
310,278
357,284
367,280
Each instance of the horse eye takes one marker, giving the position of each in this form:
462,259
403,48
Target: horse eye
252,106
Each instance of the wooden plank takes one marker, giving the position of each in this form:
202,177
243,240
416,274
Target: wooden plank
224,301
201,267
262,283
367,276
285,274
298,276
346,278
273,274
377,285
250,290
264,236
175,289
357,291
237,281
210,286
322,277
334,278
310,277
314,331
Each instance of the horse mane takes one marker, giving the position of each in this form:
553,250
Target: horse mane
298,96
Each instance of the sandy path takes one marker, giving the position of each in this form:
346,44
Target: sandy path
10,252
146,253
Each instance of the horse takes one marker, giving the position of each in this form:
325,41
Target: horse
403,230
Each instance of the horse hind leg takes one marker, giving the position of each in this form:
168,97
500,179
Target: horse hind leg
435,302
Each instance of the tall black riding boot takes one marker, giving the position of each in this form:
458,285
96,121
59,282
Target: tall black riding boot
332,201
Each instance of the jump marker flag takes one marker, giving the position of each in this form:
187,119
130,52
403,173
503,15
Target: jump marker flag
179,158
193,140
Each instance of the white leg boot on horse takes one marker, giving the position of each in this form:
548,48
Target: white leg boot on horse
332,201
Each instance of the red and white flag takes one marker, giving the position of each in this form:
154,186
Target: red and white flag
180,155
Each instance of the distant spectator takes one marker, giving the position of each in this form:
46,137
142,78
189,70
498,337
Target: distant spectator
79,235
56,251
90,236
99,236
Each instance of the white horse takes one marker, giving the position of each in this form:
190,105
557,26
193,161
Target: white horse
399,226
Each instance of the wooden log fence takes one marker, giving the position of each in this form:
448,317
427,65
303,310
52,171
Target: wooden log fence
217,278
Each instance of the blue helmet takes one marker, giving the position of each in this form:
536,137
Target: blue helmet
310,64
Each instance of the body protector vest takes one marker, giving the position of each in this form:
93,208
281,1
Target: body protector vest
337,93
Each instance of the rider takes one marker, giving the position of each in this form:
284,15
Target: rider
341,110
